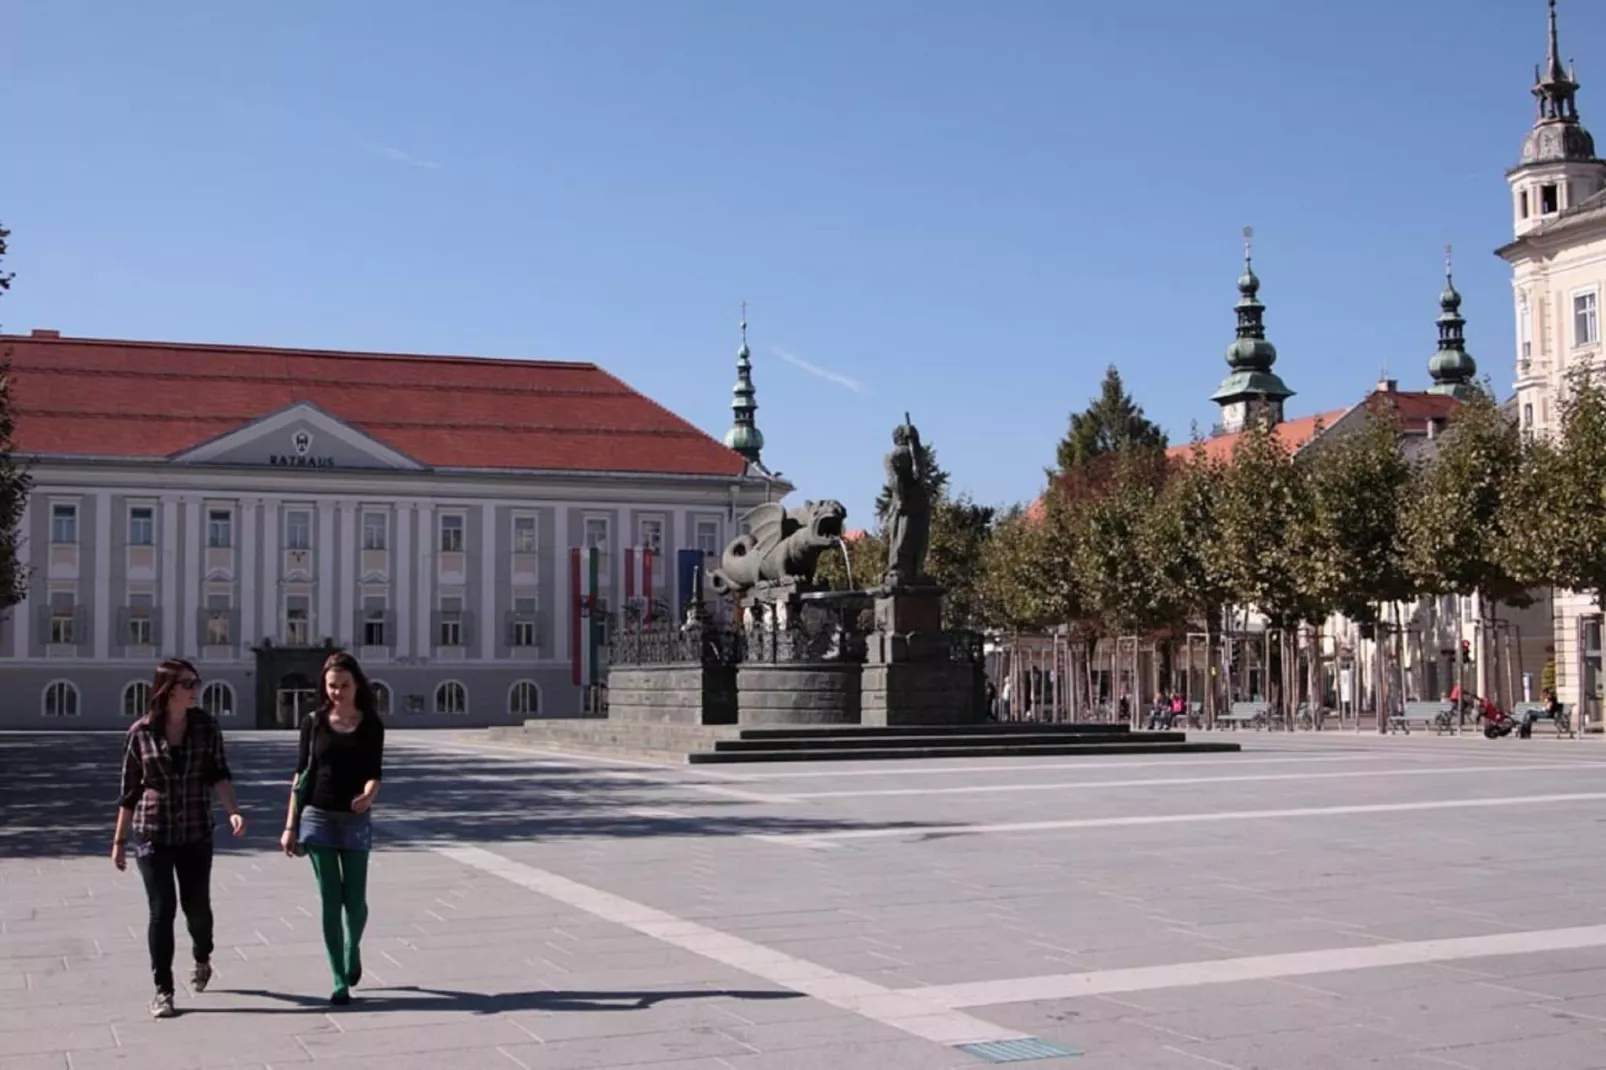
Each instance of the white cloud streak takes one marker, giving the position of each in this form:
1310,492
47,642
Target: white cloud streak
844,381
396,155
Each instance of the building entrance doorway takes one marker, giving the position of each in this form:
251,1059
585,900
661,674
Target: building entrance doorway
297,697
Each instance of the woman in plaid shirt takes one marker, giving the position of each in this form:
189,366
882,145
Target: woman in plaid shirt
172,762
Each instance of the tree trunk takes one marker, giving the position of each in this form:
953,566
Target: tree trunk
1380,673
1212,635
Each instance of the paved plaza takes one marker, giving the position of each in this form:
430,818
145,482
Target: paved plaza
1316,902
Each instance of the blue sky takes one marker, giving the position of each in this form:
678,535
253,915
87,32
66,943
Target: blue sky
965,210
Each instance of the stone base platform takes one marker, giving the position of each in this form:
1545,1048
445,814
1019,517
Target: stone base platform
706,744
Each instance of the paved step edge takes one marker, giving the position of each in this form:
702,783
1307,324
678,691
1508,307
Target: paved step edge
994,751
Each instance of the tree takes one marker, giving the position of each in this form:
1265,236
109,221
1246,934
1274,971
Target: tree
1554,526
15,481
1112,423
1182,555
1451,526
1261,518
960,532
1015,589
868,552
1117,588
932,476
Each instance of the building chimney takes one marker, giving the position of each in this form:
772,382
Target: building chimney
45,332
1387,386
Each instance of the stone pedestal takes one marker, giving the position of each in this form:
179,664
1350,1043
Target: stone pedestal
686,694
799,693
910,673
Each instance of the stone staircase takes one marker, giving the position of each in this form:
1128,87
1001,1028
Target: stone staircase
708,744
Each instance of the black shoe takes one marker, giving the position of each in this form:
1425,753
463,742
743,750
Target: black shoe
340,997
200,976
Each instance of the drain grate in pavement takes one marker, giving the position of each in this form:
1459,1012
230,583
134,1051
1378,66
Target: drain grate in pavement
1016,1051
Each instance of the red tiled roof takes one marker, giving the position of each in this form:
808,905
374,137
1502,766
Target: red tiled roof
78,396
1291,433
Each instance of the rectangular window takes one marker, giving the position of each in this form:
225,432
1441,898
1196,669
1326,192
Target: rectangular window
1586,323
1528,416
297,620
1522,204
141,526
63,615
375,529
219,528
523,622
1549,202
218,620
64,524
708,537
373,622
298,529
1525,331
650,534
141,631
452,533
451,629
597,533
524,534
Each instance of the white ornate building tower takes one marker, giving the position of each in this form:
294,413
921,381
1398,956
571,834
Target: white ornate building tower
1558,259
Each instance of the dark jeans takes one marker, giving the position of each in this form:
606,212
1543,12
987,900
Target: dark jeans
189,866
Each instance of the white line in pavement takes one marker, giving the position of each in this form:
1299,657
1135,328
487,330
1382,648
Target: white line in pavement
1258,967
1084,785
907,768
911,1014
917,831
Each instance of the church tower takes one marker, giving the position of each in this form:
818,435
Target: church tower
1452,367
1251,392
744,436
1558,169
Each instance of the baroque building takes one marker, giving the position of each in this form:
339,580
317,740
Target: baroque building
251,509
1558,261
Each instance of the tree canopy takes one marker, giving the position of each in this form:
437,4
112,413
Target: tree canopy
1451,523
1112,423
1261,515
14,479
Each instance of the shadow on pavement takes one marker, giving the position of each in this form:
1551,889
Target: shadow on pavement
58,798
479,1003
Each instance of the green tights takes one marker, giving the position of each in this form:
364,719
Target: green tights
342,886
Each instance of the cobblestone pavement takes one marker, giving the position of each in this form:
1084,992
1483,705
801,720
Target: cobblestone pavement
1317,902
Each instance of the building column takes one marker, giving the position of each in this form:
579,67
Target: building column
171,613
194,556
401,577
247,573
272,563
489,622
562,610
346,625
325,573
102,595
423,609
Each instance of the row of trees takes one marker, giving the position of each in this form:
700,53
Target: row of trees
1131,541
14,479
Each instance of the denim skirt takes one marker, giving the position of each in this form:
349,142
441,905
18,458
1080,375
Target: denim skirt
332,828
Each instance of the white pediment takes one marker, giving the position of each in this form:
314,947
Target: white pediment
300,436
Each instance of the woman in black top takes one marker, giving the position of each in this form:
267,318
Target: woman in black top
173,760
337,778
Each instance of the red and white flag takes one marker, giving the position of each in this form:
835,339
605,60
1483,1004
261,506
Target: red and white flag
639,561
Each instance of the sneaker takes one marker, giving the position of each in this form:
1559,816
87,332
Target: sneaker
162,1005
201,976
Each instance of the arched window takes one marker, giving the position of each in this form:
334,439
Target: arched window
381,697
61,699
218,699
524,699
451,697
136,699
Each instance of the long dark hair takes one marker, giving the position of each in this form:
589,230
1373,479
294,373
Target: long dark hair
168,674
344,662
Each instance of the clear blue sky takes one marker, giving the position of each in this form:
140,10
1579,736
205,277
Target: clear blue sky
965,210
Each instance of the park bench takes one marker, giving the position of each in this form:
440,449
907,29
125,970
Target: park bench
1562,720
1252,714
1435,715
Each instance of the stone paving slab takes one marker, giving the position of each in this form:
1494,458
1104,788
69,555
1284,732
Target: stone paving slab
660,869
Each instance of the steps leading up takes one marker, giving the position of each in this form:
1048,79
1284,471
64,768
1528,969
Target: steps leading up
710,744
